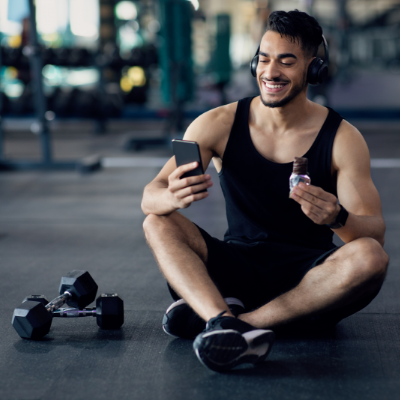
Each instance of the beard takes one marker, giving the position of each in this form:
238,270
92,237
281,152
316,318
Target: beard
289,97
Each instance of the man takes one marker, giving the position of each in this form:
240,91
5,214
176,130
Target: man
277,266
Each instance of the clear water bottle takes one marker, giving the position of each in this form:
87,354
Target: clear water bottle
299,173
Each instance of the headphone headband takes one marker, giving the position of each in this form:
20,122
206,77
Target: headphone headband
325,43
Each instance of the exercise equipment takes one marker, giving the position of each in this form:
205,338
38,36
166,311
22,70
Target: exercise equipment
32,319
90,103
221,60
36,297
33,53
176,62
317,70
109,311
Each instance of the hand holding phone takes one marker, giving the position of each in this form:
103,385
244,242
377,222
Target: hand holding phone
187,152
188,182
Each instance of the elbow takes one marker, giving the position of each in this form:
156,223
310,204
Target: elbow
143,203
144,210
380,240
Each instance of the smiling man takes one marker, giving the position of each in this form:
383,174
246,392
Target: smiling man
277,267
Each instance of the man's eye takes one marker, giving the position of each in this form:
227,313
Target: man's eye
286,63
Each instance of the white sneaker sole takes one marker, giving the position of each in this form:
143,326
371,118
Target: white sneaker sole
221,350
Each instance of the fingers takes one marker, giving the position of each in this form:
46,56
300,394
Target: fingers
318,205
182,169
185,191
184,198
315,191
187,201
178,184
311,212
316,214
301,196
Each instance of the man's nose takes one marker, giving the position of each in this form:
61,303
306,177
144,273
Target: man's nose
271,71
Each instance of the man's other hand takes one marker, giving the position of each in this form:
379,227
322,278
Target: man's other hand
320,206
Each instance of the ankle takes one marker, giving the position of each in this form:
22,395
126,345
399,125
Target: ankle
228,313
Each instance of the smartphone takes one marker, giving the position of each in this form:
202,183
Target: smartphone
187,152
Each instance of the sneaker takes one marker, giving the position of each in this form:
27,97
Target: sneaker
181,321
227,342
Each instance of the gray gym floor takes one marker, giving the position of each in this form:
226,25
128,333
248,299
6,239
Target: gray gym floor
53,222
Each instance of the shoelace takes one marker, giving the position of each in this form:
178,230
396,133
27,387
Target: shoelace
213,321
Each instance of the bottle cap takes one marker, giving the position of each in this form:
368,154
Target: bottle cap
300,166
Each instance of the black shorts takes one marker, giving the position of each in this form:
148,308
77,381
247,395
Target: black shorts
256,273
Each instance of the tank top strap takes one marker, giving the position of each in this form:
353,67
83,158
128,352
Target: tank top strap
242,115
320,153
239,126
328,130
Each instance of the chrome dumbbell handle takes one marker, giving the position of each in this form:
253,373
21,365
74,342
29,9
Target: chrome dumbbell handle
74,313
58,302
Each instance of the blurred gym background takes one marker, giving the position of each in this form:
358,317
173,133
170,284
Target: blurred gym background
120,78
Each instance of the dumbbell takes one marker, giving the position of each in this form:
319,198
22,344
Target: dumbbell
32,319
36,297
109,311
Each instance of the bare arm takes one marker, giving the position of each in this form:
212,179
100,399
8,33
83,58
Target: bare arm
167,192
356,191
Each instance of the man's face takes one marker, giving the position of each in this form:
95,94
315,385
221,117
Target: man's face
281,71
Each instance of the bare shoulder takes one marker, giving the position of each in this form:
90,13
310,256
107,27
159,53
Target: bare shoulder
221,118
349,148
212,128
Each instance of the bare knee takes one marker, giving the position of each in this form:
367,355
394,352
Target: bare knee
150,223
366,263
156,225
174,229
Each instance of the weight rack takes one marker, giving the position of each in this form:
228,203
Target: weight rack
47,161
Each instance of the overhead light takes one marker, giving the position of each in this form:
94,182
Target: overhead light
196,4
84,18
126,10
135,76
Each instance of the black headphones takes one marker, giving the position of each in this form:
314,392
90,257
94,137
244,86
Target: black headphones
317,71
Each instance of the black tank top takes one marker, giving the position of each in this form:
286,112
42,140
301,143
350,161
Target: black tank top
256,190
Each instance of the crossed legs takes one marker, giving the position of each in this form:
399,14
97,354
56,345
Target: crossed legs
354,272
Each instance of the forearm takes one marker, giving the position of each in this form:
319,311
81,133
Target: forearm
358,226
155,200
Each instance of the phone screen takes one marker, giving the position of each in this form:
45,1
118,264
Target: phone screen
186,152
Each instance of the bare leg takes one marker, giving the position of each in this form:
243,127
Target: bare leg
353,272
181,253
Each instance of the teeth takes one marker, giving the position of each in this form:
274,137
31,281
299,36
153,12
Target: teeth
273,86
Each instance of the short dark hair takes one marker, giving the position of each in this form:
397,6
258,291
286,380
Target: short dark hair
298,26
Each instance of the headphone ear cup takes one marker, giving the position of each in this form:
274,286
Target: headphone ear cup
313,71
322,73
253,65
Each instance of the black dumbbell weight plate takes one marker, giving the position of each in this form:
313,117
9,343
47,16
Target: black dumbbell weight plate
82,287
31,320
109,311
36,297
